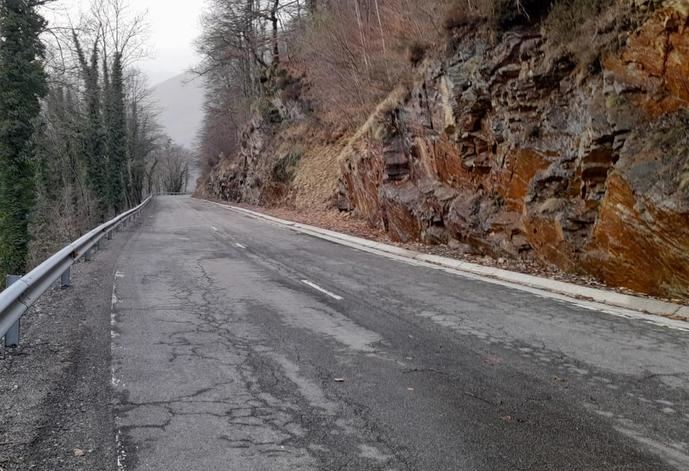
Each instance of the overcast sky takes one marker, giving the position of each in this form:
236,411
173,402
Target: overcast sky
173,26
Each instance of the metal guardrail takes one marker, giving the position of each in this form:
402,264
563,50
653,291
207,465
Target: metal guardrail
174,194
25,291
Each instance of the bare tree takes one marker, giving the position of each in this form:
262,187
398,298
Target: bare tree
120,30
173,163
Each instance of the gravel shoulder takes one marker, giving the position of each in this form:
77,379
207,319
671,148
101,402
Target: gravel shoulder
56,407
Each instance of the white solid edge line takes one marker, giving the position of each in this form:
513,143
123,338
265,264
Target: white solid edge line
414,258
324,291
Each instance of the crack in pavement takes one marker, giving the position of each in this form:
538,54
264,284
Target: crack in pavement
265,406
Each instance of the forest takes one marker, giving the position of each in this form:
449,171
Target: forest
79,138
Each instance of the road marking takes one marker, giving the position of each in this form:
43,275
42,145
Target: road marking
238,245
324,291
121,452
596,306
599,307
214,228
114,380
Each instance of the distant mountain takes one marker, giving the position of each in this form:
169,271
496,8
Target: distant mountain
180,101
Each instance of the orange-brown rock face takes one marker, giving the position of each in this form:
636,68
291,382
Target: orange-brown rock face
641,236
655,61
512,156
639,244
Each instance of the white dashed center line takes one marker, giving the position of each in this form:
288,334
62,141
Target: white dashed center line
214,228
238,245
324,291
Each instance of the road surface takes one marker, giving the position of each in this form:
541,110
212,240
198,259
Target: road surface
242,345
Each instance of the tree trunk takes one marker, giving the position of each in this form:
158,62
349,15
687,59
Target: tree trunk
275,23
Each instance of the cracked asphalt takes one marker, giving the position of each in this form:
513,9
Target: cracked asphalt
242,345
201,339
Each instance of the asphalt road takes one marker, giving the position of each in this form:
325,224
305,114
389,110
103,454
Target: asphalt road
241,345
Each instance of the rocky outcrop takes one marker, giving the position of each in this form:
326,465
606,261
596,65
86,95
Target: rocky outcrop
505,148
508,150
261,172
286,156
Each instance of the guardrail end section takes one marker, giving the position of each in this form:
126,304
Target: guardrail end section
12,335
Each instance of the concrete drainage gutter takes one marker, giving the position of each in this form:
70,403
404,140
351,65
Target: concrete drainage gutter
577,292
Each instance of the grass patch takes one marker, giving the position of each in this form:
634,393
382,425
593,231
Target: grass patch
501,15
567,16
589,29
285,168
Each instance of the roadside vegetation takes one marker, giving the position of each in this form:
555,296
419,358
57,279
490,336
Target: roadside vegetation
79,140
342,58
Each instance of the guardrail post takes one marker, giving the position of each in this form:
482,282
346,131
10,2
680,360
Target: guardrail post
12,335
108,236
66,279
87,255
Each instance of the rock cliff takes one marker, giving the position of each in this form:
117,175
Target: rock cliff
507,147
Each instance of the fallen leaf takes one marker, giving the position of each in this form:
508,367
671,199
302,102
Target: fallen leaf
79,452
506,418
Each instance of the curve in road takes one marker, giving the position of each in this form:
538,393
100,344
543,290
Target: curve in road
239,344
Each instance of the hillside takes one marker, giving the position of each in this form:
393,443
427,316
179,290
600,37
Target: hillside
180,102
558,136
